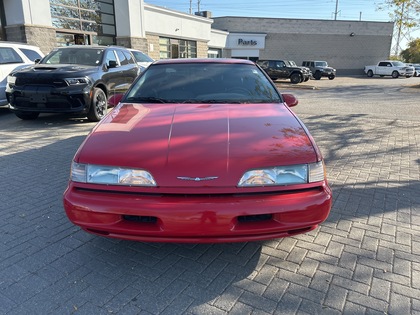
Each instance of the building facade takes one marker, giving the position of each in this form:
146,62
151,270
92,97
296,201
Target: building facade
165,33
346,45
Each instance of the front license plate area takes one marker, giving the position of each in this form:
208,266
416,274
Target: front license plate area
38,98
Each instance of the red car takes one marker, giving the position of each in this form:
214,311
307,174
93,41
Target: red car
199,151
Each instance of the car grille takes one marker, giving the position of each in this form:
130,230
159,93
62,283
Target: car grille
40,81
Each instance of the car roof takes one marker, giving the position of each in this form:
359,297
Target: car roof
17,44
89,47
203,60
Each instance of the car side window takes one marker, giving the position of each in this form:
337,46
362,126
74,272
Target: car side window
280,64
110,56
129,57
31,54
9,55
122,58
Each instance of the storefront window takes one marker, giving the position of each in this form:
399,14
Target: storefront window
94,18
177,48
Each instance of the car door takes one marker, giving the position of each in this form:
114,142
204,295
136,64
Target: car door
129,66
9,60
384,68
113,76
280,69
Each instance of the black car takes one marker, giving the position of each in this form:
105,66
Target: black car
285,69
73,79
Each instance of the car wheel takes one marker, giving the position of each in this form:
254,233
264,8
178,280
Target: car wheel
331,77
296,78
98,106
317,75
306,79
395,74
27,115
370,73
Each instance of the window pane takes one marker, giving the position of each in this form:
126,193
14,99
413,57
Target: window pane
60,11
31,54
8,55
66,23
68,2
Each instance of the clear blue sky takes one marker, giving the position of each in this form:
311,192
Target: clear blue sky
299,9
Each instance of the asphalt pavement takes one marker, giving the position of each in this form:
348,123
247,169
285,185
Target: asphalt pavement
365,259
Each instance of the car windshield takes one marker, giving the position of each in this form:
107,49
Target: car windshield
321,64
76,55
398,64
203,83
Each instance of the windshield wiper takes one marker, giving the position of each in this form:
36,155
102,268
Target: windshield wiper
149,99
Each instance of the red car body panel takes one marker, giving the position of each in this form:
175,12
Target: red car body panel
198,140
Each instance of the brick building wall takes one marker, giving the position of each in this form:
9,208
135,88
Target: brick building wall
41,36
202,49
138,43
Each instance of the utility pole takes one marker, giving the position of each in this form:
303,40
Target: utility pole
336,10
190,6
198,5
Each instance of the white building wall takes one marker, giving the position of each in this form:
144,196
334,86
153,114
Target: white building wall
168,23
218,39
129,18
28,12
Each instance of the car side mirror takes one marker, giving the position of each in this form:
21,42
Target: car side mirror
290,100
112,64
37,60
115,99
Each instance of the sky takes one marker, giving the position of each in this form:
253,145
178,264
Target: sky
354,10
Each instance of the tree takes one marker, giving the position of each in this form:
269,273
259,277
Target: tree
412,53
406,15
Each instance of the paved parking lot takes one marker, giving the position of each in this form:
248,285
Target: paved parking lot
365,259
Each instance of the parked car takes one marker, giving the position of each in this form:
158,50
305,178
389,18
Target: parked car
283,69
73,79
203,150
14,56
416,69
320,69
306,69
392,68
143,60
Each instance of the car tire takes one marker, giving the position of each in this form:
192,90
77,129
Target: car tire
395,74
306,79
98,106
27,115
370,73
296,78
317,75
331,77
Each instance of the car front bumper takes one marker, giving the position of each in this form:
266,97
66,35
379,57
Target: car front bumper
197,218
44,99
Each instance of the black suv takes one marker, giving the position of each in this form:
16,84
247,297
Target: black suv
73,79
285,69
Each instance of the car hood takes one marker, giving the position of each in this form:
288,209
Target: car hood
198,141
60,70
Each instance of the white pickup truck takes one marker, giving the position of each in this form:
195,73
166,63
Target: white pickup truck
390,68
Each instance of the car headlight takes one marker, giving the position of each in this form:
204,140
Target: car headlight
284,175
77,81
110,175
11,80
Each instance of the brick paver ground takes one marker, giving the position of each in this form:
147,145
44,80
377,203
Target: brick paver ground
365,259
